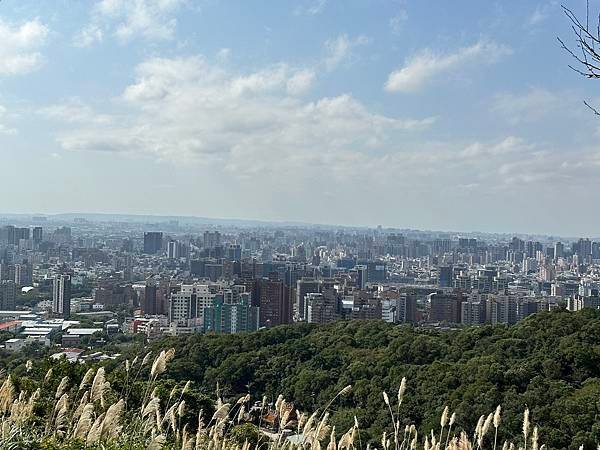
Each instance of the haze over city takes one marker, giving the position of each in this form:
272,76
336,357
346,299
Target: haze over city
431,115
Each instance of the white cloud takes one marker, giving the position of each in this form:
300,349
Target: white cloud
186,110
397,22
130,19
249,129
426,66
535,104
88,36
341,49
301,82
224,54
541,13
265,80
73,111
19,46
5,129
312,8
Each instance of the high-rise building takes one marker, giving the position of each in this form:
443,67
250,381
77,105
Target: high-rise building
376,271
472,312
445,276
213,271
21,233
398,307
509,309
112,293
275,305
321,308
150,305
444,307
172,250
8,294
305,286
362,274
7,271
62,235
223,317
186,306
61,295
23,274
153,242
559,250
38,234
365,307
467,244
584,250
441,246
517,245
212,239
7,235
530,249
234,252
595,250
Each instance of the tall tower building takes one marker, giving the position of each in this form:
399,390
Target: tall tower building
61,295
361,281
172,250
153,242
8,294
584,250
212,239
223,317
305,286
38,234
445,276
559,250
150,305
275,305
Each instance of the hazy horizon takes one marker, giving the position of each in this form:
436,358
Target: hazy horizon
256,221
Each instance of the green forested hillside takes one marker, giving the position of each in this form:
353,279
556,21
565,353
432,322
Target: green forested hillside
549,362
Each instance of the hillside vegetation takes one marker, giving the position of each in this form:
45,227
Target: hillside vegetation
549,363
347,385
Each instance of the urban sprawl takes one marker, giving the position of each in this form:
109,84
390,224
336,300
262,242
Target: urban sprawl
68,281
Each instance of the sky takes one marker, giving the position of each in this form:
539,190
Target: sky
459,115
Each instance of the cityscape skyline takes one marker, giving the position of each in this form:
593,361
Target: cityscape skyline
175,277
157,219
315,111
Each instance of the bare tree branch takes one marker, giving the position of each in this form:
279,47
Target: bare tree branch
587,41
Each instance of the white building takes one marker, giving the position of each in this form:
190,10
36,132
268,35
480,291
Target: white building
14,345
186,307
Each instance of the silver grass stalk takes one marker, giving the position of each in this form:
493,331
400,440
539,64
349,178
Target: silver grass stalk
94,433
534,439
159,365
526,426
110,425
62,386
401,391
97,388
86,380
146,359
243,399
487,424
85,422
497,424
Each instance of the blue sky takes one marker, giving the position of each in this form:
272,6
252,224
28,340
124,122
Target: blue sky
457,115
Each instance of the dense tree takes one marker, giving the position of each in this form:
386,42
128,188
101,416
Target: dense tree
549,362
